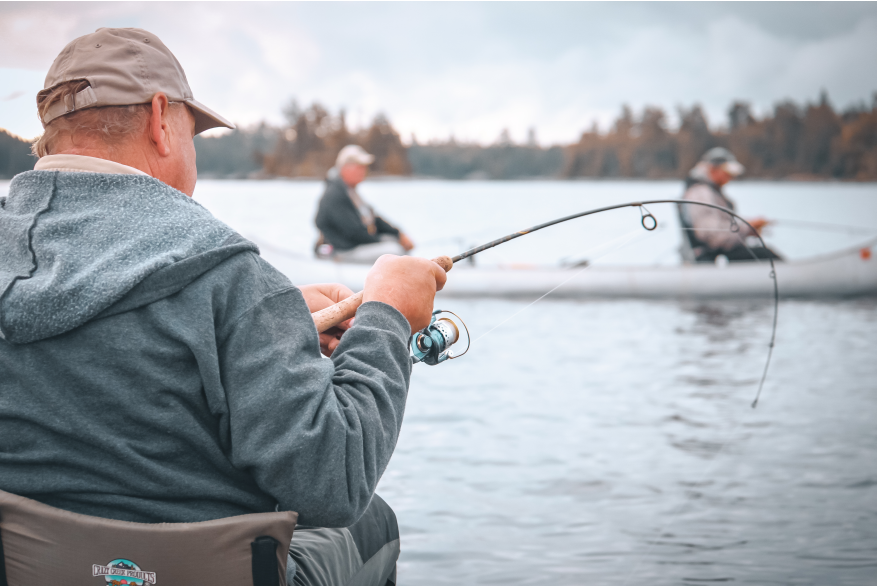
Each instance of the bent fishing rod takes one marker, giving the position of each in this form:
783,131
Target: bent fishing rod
431,344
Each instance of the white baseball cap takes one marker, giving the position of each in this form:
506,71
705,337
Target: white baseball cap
353,154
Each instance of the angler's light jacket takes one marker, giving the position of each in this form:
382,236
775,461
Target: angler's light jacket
153,368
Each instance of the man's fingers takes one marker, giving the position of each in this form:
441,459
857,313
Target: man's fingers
330,340
342,292
441,276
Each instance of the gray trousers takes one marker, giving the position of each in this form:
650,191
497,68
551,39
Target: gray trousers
363,554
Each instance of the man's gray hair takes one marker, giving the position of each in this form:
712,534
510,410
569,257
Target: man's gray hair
111,125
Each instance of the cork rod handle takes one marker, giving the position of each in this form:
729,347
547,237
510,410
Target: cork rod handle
346,308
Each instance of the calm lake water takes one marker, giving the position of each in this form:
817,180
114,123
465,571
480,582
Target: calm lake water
613,442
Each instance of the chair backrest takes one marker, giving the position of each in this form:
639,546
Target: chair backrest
43,545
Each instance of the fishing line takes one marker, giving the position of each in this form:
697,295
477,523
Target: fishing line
776,294
729,437
630,237
650,223
569,261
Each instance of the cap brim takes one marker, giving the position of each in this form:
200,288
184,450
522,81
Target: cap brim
357,159
205,118
734,168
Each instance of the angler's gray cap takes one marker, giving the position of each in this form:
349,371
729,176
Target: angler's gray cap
720,156
124,67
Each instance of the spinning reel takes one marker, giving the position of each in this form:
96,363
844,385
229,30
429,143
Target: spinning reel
431,345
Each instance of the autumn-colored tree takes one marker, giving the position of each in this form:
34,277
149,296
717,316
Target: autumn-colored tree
854,151
793,141
312,139
382,141
809,141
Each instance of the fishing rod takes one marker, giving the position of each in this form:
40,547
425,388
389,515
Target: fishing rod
431,345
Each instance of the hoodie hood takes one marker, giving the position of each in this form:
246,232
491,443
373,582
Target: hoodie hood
82,245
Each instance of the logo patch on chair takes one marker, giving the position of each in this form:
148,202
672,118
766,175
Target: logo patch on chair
121,571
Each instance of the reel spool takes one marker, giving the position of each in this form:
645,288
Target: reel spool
431,345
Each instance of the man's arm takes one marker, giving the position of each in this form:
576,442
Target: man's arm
317,434
385,227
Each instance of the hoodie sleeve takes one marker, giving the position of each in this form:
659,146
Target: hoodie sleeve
315,433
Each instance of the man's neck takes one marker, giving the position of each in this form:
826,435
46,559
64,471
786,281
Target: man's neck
129,157
84,163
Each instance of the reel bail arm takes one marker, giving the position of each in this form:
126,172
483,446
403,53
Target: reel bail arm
431,345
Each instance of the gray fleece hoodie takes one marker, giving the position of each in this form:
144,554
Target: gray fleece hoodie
153,368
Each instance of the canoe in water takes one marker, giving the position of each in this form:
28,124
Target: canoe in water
845,273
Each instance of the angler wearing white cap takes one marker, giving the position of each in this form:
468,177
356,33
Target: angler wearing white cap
706,231
349,228
156,370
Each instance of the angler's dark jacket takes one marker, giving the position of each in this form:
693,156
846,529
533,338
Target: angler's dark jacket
340,222
153,368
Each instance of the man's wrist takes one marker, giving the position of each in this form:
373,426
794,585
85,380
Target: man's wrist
382,315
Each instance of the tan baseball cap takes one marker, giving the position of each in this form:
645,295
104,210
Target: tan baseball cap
123,67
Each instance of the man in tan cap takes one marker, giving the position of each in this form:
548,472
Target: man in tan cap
155,368
350,231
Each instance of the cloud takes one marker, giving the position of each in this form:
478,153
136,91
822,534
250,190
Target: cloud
13,96
472,69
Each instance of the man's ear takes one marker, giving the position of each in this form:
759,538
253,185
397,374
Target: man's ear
159,124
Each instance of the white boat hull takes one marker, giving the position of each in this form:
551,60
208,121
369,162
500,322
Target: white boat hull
850,272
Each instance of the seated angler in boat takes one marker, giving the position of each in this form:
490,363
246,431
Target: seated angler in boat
162,387
350,231
707,234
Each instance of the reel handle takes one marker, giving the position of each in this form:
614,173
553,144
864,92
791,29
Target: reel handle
346,308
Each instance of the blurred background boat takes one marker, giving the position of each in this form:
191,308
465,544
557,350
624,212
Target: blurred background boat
848,272
827,234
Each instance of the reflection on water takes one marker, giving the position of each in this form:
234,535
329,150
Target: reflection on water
613,442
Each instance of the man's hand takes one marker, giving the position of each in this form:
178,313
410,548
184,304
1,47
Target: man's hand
406,283
322,295
405,241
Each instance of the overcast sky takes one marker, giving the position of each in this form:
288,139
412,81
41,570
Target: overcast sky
470,69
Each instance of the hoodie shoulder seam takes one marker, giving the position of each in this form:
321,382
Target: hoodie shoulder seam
227,330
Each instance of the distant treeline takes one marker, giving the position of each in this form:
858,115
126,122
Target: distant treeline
305,147
15,155
806,142
452,160
810,141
